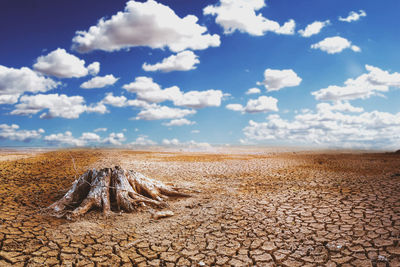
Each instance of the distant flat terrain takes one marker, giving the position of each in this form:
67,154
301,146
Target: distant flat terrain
263,207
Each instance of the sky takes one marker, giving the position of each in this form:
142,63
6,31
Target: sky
198,74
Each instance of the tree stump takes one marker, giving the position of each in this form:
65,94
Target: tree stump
112,189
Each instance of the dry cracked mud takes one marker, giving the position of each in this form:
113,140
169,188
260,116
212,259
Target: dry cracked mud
254,209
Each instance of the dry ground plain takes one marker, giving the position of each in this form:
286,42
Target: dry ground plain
251,209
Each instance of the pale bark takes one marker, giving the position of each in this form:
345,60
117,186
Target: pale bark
99,189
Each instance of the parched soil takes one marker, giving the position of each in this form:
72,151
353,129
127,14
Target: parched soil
247,209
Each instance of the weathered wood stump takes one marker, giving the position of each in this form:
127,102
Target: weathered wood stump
112,189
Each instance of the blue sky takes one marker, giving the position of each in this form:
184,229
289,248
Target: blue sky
178,73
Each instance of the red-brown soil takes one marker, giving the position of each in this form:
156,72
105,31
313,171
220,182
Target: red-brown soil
281,209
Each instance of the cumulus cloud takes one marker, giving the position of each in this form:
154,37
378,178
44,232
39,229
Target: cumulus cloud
336,44
99,82
12,132
275,80
122,101
87,138
366,85
313,28
114,139
90,137
261,104
179,122
100,130
97,108
115,101
145,24
242,16
169,142
61,64
183,61
191,145
235,107
339,106
330,127
147,90
199,99
253,91
163,112
64,106
64,139
69,107
14,82
143,140
9,99
353,16
94,68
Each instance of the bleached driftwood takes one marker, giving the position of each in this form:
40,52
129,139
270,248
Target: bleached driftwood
112,188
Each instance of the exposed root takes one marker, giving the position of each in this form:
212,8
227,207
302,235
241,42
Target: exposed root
112,189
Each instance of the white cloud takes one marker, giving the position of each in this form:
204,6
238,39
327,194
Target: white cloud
100,130
64,139
145,24
179,122
235,107
90,137
99,82
339,106
314,28
87,138
143,140
14,82
355,48
69,107
199,145
199,99
122,101
261,104
169,142
163,112
195,131
183,61
97,108
366,85
9,99
275,80
142,84
12,132
241,15
94,68
253,91
336,44
114,139
61,64
115,101
147,90
353,16
330,127
191,145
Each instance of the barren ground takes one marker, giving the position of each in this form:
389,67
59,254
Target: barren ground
263,209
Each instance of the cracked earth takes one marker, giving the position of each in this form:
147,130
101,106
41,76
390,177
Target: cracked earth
251,209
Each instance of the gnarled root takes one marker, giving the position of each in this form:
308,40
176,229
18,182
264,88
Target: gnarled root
109,189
